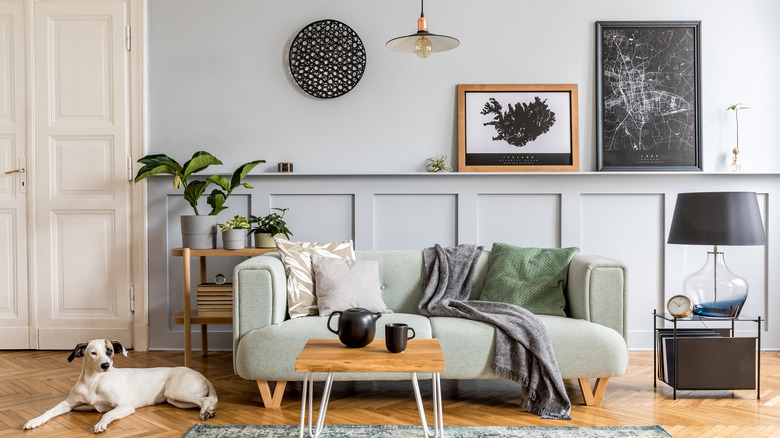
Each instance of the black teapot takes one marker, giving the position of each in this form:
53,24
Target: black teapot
357,326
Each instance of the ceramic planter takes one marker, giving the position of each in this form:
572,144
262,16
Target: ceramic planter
264,240
234,238
199,232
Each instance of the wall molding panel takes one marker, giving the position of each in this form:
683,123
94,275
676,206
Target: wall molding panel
621,215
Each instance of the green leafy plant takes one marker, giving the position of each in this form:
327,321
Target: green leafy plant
218,197
437,164
160,163
272,223
238,222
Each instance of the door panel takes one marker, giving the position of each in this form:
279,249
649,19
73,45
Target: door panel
81,63
14,313
82,196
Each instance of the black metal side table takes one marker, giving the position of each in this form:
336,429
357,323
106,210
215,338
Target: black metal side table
709,358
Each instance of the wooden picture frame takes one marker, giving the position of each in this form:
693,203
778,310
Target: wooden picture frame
518,128
648,95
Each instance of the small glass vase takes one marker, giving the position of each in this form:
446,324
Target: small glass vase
736,166
714,290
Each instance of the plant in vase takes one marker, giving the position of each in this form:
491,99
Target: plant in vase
736,166
218,197
234,232
198,232
269,226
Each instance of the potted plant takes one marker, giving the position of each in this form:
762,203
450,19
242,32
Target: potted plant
218,197
198,232
234,232
269,226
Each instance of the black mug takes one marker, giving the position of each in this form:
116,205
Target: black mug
396,335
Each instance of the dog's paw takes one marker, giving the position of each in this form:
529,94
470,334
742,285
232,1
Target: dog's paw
208,411
101,426
206,414
32,424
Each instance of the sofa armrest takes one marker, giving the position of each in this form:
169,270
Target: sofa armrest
259,294
597,291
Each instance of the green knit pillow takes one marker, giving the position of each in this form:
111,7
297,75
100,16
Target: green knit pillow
533,278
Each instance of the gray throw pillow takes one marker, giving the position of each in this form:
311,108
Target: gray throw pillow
342,284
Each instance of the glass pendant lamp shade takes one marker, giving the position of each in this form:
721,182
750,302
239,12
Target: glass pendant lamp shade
422,43
717,218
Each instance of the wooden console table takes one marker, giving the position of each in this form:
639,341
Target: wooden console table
189,316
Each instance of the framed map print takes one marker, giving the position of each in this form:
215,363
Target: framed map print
648,95
518,128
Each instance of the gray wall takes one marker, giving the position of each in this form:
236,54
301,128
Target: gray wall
219,81
219,78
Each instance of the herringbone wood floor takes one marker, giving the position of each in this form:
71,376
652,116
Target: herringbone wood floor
34,381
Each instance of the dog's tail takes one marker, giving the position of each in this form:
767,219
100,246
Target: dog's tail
209,407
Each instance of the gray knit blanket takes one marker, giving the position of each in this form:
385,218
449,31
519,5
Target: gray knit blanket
523,351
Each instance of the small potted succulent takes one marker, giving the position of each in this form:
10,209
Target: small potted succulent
269,226
234,232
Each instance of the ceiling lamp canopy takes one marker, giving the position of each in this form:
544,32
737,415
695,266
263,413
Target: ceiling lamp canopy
423,43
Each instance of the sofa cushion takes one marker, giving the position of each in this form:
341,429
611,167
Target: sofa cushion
342,284
582,348
296,256
269,353
533,278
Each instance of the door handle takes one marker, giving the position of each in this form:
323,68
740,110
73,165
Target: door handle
15,171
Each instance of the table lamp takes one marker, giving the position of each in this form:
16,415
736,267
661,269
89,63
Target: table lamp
716,218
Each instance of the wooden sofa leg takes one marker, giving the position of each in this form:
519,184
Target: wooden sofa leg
593,397
269,400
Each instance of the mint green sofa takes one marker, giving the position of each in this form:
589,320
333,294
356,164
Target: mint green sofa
589,343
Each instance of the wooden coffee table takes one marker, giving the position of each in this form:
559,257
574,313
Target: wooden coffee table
331,356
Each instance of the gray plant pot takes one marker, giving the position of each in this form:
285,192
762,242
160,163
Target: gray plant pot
234,239
199,232
264,240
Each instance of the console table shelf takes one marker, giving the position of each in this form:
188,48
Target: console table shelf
706,358
190,316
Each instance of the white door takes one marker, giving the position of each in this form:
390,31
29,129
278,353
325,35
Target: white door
14,312
82,189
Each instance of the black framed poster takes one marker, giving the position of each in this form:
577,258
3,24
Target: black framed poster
648,98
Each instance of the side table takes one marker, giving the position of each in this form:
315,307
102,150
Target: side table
189,316
708,358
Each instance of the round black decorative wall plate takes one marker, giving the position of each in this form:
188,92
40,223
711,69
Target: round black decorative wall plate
327,59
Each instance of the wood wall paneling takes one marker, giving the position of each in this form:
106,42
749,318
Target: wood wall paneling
620,215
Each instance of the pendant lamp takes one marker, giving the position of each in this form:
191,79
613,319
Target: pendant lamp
422,43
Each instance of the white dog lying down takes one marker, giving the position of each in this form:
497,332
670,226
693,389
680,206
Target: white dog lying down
117,392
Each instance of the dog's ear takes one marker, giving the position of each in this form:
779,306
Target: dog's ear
118,348
77,352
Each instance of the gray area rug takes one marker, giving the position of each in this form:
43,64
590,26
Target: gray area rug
335,431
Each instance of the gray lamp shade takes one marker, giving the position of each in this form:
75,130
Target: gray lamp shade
717,218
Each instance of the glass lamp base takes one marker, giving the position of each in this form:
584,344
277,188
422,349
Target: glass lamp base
720,309
714,290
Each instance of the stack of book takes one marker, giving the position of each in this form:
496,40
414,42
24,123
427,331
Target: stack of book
665,349
215,300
